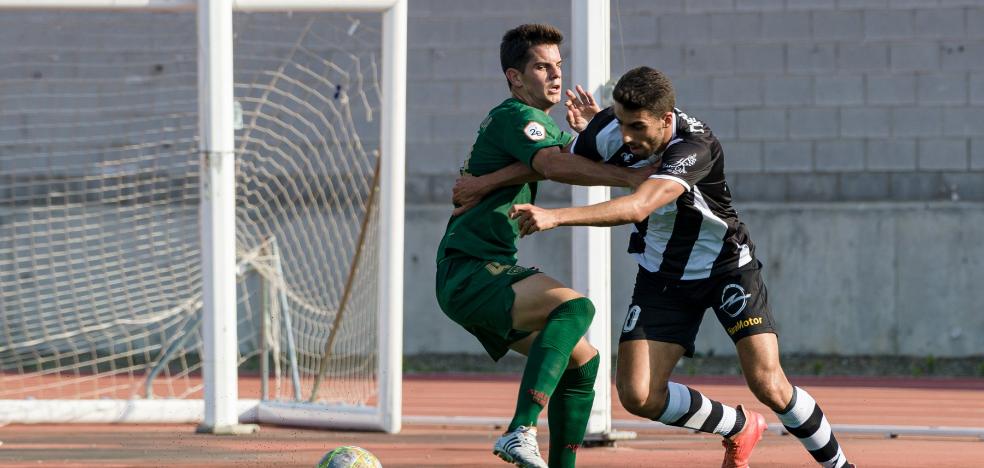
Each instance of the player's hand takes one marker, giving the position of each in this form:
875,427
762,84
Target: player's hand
467,192
581,108
640,175
532,218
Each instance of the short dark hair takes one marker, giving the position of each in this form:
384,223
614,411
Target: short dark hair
645,88
514,51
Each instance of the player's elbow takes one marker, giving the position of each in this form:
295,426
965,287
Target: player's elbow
646,202
549,167
552,164
639,212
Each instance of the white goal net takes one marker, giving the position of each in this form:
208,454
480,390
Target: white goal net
100,185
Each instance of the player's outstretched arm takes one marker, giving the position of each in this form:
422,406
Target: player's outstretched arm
632,208
469,190
573,169
562,166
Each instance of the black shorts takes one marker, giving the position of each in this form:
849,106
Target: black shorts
671,310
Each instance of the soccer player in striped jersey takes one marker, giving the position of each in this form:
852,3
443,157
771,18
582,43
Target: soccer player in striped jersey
693,254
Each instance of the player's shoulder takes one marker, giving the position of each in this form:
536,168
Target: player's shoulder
601,139
513,108
513,115
682,147
600,121
691,128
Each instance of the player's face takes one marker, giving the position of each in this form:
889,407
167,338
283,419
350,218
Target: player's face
644,132
539,84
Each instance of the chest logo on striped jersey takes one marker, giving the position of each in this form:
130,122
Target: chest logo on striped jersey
734,299
680,166
535,131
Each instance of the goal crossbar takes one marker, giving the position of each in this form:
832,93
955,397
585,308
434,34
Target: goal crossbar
327,6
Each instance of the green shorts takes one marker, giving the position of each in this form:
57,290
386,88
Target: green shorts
477,294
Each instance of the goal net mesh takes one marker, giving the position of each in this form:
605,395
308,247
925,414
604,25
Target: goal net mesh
100,178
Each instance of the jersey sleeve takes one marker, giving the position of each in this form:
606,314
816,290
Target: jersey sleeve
522,134
685,163
593,143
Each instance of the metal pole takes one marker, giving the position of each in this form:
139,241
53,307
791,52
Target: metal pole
218,218
391,206
591,246
295,376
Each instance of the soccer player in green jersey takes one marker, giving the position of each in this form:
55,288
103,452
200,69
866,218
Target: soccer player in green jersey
506,306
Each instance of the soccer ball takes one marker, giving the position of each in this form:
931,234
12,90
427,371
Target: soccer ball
349,456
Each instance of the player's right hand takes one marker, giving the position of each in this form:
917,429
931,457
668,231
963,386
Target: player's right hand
581,108
467,192
532,218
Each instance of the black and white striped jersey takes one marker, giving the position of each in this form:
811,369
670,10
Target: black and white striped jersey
700,235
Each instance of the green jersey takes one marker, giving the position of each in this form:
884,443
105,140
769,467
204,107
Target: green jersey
513,131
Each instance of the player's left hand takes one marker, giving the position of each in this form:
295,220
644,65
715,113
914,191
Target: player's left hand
532,218
581,108
467,192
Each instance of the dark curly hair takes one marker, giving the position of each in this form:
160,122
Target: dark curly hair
645,88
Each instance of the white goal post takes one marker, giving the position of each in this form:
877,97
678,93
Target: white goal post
591,246
220,409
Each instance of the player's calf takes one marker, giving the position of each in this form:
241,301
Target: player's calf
686,407
548,357
804,419
569,411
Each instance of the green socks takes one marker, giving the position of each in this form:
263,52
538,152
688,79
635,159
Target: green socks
548,358
569,411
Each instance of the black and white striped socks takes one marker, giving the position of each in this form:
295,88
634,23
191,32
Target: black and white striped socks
803,419
686,407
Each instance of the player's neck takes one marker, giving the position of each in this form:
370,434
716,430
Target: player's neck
543,104
666,137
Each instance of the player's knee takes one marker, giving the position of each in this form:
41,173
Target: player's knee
769,388
579,311
583,353
631,401
641,402
586,306
588,371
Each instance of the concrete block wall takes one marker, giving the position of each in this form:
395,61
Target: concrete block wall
869,278
842,95
849,128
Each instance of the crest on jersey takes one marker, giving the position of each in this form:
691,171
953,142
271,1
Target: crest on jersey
535,131
680,166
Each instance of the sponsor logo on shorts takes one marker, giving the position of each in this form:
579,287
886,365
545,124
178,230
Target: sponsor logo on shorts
518,270
733,299
742,324
631,318
496,269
